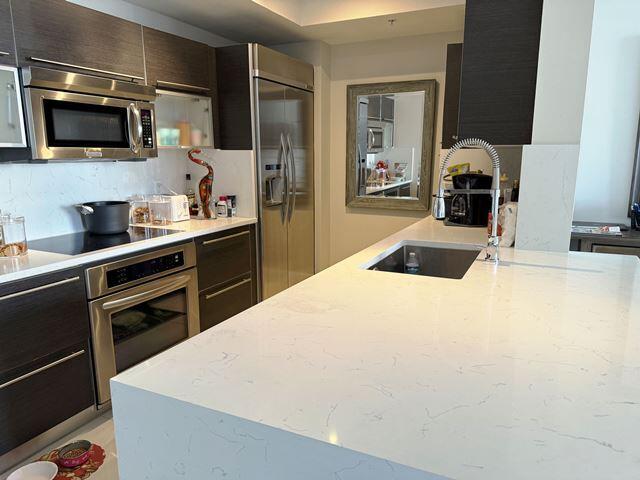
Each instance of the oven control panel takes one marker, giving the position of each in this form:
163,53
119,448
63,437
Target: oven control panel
147,128
146,268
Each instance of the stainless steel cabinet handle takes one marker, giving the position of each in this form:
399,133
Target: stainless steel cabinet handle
37,289
225,290
294,178
182,85
4,54
41,369
222,239
167,287
88,69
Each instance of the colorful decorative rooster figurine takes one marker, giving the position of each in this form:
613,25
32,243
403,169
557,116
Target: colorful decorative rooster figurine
205,185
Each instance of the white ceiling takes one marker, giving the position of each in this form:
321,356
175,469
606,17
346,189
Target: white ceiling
333,21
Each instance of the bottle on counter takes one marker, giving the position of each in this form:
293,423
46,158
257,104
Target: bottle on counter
234,209
221,208
229,206
191,198
412,266
515,192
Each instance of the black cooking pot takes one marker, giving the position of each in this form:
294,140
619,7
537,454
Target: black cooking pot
105,218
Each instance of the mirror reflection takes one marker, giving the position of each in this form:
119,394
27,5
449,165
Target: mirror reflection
389,150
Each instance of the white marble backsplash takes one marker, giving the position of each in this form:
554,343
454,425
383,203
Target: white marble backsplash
45,193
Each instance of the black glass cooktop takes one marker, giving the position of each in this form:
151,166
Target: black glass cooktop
84,242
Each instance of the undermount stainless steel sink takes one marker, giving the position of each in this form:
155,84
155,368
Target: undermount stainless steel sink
444,260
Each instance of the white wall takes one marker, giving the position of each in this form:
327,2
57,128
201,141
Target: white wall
549,164
611,111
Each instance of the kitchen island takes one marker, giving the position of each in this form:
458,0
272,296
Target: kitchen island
527,370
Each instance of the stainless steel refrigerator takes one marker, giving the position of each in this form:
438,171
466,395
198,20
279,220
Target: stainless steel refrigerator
283,132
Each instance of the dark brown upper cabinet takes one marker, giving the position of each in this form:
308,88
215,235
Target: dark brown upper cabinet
7,47
57,34
177,63
452,95
499,70
234,98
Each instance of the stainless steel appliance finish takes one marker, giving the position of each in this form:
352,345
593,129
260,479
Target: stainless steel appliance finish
76,116
284,147
140,306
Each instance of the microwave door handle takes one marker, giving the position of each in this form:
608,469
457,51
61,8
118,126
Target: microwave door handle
138,117
130,127
370,138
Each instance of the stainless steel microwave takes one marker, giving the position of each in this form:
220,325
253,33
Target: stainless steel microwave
75,116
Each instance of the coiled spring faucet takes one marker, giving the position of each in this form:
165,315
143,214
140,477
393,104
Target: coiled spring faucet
438,210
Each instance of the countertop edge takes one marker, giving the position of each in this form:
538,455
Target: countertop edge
61,263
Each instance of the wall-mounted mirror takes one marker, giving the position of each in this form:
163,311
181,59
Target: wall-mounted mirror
390,134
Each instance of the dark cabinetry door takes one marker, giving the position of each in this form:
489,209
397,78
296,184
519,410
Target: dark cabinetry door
45,369
499,68
39,316
226,274
43,398
373,109
234,98
387,108
7,47
176,63
226,301
60,31
451,95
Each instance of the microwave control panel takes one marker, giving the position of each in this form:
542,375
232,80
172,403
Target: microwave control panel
147,129
147,268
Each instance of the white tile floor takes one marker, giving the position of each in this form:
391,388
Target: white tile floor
100,431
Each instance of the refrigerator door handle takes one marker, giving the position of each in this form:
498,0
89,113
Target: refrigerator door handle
294,178
283,159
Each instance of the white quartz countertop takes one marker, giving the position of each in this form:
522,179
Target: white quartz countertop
527,370
37,262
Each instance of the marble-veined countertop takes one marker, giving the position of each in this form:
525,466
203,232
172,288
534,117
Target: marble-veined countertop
527,370
37,262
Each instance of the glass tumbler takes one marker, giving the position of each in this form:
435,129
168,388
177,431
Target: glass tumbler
13,239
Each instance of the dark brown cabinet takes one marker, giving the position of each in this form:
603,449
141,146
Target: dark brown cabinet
373,107
55,32
45,367
177,63
226,274
7,47
387,108
451,95
234,98
499,70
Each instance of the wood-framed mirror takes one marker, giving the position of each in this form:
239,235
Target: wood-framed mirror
390,144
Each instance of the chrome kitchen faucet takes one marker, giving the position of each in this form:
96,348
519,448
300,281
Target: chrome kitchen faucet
438,210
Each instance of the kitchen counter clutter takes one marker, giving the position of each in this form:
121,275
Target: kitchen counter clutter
529,369
37,262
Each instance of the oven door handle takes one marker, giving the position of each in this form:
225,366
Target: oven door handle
166,286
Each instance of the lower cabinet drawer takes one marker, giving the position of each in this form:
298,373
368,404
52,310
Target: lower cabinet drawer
222,256
222,303
44,397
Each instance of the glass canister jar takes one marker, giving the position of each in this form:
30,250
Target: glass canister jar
13,239
139,209
159,210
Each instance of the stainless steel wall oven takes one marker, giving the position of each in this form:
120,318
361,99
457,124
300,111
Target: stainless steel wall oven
140,306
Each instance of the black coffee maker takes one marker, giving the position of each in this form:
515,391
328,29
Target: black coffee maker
471,210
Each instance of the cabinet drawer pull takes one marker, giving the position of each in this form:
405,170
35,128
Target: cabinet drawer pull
41,369
37,289
181,85
225,290
4,54
88,69
222,239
